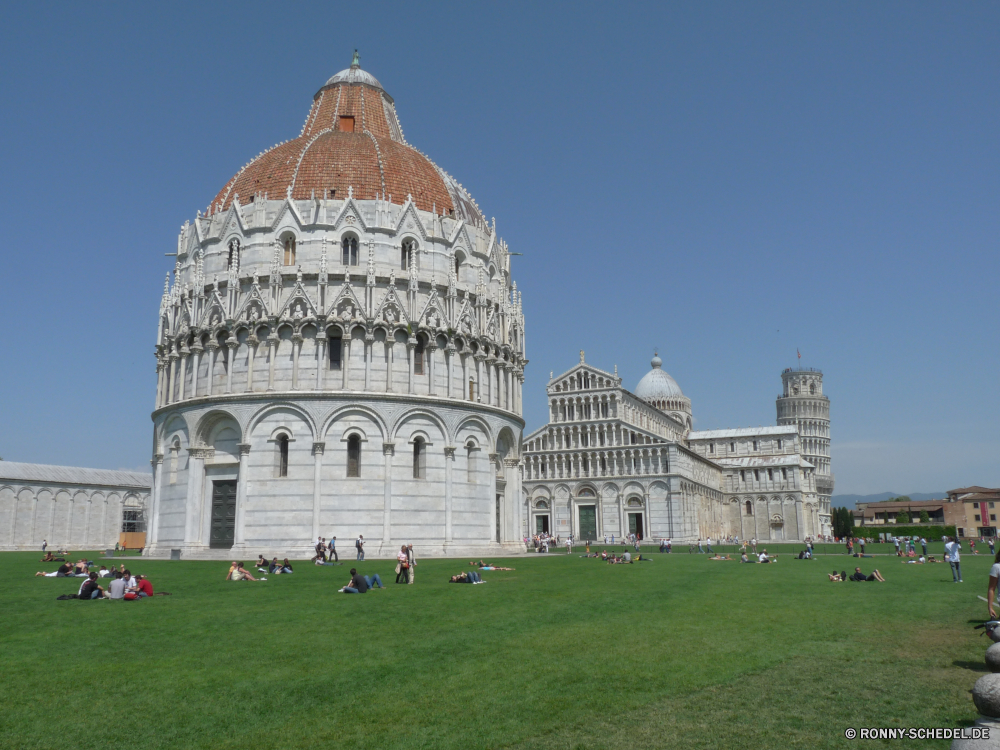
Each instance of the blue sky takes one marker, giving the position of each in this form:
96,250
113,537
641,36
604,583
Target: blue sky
722,182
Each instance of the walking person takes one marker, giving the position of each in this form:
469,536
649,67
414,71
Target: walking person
402,565
991,590
320,550
700,550
360,545
951,553
753,545
569,545
45,543
708,543
923,546
411,558
332,549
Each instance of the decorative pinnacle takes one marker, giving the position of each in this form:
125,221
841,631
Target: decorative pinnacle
356,60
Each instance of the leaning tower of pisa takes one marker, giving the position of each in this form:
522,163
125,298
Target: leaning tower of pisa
803,404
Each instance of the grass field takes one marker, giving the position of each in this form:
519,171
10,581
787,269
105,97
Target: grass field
564,652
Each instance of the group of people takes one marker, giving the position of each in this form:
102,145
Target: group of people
406,561
857,575
274,567
763,557
543,541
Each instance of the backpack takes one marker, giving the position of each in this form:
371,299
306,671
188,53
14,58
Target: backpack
357,543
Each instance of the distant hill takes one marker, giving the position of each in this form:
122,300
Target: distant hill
851,501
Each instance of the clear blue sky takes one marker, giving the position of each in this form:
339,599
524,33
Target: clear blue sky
723,182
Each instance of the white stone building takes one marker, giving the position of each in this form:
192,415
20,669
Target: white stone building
70,507
614,462
341,352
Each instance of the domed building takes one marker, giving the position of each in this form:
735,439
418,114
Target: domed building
340,353
614,463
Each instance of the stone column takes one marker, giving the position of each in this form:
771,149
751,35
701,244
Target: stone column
213,351
272,354
449,472
369,349
321,360
411,344
465,376
239,535
799,518
449,361
512,500
231,346
104,520
390,345
318,448
494,462
388,451
345,361
86,522
479,357
252,342
154,501
185,352
431,385
296,351
194,507
159,382
196,351
173,375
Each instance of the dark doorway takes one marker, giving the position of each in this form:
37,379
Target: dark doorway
635,524
588,522
498,518
223,514
541,524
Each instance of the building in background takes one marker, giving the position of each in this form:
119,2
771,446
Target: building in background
610,461
341,352
71,507
886,512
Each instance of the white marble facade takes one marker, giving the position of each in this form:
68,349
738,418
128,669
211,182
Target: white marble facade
612,462
335,364
69,507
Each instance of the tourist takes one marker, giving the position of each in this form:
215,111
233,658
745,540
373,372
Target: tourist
859,576
951,552
765,559
895,540
90,589
834,576
273,566
972,546
238,573
286,567
359,544
261,564
321,549
45,544
718,557
402,563
708,544
143,587
103,572
360,584
753,545
605,538
569,545
743,557
991,589
63,571
470,577
700,550
411,559
116,589
612,538
990,542
49,558
923,546
331,547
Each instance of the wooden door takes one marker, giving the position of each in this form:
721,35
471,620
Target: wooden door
223,514
588,523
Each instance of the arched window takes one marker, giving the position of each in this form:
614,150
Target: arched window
472,389
470,462
335,346
234,254
418,357
282,444
354,456
175,449
812,388
350,251
289,250
419,458
458,263
406,255
749,508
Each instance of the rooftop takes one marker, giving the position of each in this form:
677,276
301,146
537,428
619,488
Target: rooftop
786,429
12,471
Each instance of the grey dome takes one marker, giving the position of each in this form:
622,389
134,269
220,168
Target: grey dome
657,384
354,74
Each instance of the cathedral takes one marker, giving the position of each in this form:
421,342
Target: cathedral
612,462
340,352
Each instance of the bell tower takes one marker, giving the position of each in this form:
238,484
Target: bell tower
802,403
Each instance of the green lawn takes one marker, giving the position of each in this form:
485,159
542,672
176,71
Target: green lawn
564,652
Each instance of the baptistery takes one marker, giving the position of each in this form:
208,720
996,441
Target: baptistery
340,353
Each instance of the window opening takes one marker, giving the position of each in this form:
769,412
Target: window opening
282,455
418,458
335,345
289,251
350,251
354,456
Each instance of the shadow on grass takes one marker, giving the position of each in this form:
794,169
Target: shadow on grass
975,666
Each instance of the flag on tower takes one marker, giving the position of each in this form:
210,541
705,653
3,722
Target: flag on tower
798,352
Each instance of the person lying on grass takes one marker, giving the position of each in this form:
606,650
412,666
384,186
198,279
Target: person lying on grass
64,571
470,577
49,558
859,576
717,557
238,573
919,561
360,584
493,567
835,576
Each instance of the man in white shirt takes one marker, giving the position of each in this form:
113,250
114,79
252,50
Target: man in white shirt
991,591
763,557
951,553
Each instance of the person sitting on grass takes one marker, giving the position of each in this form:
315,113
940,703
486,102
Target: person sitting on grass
470,577
116,589
63,571
49,558
835,576
626,555
743,555
360,584
90,589
81,569
261,564
238,573
319,561
859,576
765,559
286,567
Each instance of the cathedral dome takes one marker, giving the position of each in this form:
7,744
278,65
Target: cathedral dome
657,384
351,142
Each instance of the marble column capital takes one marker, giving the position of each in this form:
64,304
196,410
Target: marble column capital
244,448
388,449
318,447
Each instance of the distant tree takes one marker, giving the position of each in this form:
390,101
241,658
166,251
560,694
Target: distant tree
924,518
843,521
903,517
902,499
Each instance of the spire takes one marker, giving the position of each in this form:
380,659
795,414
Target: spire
356,60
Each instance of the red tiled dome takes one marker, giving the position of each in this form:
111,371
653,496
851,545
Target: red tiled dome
351,139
